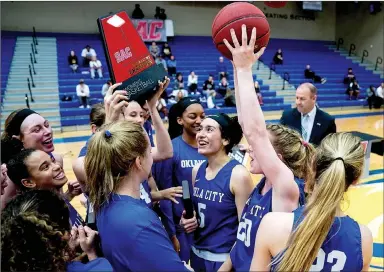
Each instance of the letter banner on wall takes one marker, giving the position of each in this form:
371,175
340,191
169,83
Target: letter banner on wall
151,30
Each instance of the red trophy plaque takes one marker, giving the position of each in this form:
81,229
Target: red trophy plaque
129,60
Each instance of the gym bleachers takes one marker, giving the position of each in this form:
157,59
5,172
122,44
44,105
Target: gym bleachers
7,50
192,53
325,63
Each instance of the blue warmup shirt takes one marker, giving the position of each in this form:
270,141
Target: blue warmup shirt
133,238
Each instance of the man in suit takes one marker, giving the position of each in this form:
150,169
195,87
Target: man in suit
311,122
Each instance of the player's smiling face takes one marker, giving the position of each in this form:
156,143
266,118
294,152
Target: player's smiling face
209,140
192,118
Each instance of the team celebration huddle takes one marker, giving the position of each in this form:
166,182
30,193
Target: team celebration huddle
134,189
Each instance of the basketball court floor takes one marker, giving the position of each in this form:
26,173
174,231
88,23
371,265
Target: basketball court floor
363,202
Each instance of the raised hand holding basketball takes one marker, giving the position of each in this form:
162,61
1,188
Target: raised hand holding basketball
243,56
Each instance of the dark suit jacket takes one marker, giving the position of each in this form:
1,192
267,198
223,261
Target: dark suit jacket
323,124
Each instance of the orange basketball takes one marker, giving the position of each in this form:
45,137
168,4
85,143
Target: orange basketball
234,16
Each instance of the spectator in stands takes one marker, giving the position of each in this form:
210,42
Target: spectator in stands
73,61
192,82
371,96
167,51
309,74
137,12
157,13
353,89
223,86
211,102
162,15
230,99
105,87
209,86
258,93
171,63
159,60
350,77
87,55
154,50
380,96
180,92
222,69
82,91
278,58
179,82
380,91
311,122
95,64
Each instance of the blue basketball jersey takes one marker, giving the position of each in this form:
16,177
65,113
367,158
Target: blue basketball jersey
341,250
84,149
255,208
171,173
74,217
216,207
145,194
148,128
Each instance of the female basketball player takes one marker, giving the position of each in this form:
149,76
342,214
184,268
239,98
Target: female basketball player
132,236
135,113
35,236
221,187
279,190
319,231
27,129
185,118
35,169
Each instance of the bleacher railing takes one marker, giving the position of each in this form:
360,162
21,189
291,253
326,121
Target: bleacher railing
30,73
379,60
258,63
30,90
272,67
351,49
34,37
33,66
365,54
27,101
286,77
340,42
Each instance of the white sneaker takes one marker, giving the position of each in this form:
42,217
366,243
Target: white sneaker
81,107
88,106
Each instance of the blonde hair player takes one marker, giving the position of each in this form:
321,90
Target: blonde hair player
319,236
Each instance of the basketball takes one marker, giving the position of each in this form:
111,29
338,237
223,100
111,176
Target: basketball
234,16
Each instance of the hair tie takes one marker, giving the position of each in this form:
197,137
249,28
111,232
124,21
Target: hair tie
108,134
304,143
339,158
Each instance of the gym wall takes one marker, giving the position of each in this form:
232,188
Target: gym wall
190,18
355,25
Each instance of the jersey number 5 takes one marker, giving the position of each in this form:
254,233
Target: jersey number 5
340,257
201,207
244,231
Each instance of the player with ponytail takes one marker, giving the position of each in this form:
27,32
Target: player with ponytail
132,237
319,236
